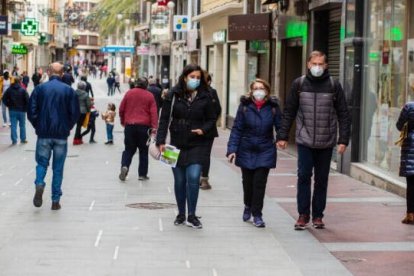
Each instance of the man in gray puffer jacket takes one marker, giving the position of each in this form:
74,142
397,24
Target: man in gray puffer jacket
318,103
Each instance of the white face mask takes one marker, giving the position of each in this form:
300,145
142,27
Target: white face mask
259,94
316,70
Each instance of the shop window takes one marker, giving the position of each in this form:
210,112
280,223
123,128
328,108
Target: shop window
385,81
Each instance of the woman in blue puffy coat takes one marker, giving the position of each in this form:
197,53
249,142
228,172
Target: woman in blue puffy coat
252,145
407,158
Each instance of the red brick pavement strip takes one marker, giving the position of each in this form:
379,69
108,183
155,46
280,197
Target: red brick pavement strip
359,220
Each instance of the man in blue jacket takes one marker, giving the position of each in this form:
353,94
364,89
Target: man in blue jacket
53,111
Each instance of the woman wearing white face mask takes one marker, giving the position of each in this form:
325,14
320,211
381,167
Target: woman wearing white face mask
252,145
192,120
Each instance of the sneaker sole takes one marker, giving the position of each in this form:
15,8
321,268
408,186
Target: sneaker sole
246,219
259,225
178,224
193,226
123,174
318,226
300,228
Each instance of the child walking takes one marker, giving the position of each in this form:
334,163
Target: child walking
109,117
91,125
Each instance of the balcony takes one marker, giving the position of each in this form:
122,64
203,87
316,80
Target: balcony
207,5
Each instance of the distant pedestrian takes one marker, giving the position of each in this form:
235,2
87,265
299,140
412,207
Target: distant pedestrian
138,114
193,119
16,99
84,107
37,76
204,180
15,71
117,83
252,146
88,86
156,92
110,81
5,82
91,124
53,111
25,80
406,120
67,76
318,103
109,118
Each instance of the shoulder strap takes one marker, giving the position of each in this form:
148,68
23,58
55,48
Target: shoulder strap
302,79
171,111
332,81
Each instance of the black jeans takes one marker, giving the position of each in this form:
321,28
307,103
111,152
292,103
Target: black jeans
91,127
410,194
254,187
319,160
136,136
79,126
206,161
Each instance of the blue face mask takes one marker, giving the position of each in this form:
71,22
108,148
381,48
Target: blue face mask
193,84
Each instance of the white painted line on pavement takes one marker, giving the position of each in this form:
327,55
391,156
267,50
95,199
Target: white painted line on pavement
187,264
215,272
116,252
169,190
1,174
106,162
3,193
136,228
91,206
98,238
160,224
24,158
30,172
18,182
125,195
12,167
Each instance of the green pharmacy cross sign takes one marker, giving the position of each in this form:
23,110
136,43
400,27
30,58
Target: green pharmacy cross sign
29,27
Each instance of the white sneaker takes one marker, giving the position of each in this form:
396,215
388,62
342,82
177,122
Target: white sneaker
4,125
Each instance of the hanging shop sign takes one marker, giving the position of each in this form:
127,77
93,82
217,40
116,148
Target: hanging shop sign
19,49
181,23
192,37
250,26
29,27
143,50
117,49
3,25
219,37
160,23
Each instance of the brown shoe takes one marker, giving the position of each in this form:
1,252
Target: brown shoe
409,218
56,205
204,184
318,223
302,222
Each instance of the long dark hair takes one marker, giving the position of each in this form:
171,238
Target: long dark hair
186,71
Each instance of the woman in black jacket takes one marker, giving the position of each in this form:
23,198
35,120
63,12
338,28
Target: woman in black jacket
193,119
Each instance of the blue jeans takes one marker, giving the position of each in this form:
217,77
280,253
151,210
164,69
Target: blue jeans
17,117
44,149
320,161
186,187
109,132
4,112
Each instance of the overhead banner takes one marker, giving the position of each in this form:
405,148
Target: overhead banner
250,26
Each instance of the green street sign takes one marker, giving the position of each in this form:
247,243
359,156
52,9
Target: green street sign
16,26
19,49
29,27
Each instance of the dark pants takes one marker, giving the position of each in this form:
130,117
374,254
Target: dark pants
319,160
254,187
410,194
206,161
91,127
136,136
79,126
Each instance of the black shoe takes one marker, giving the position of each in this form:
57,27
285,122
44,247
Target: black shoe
193,221
143,177
92,142
123,174
180,219
109,143
56,205
37,200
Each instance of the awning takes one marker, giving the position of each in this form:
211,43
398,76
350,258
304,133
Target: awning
268,2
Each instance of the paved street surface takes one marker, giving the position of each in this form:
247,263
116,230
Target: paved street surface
97,233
